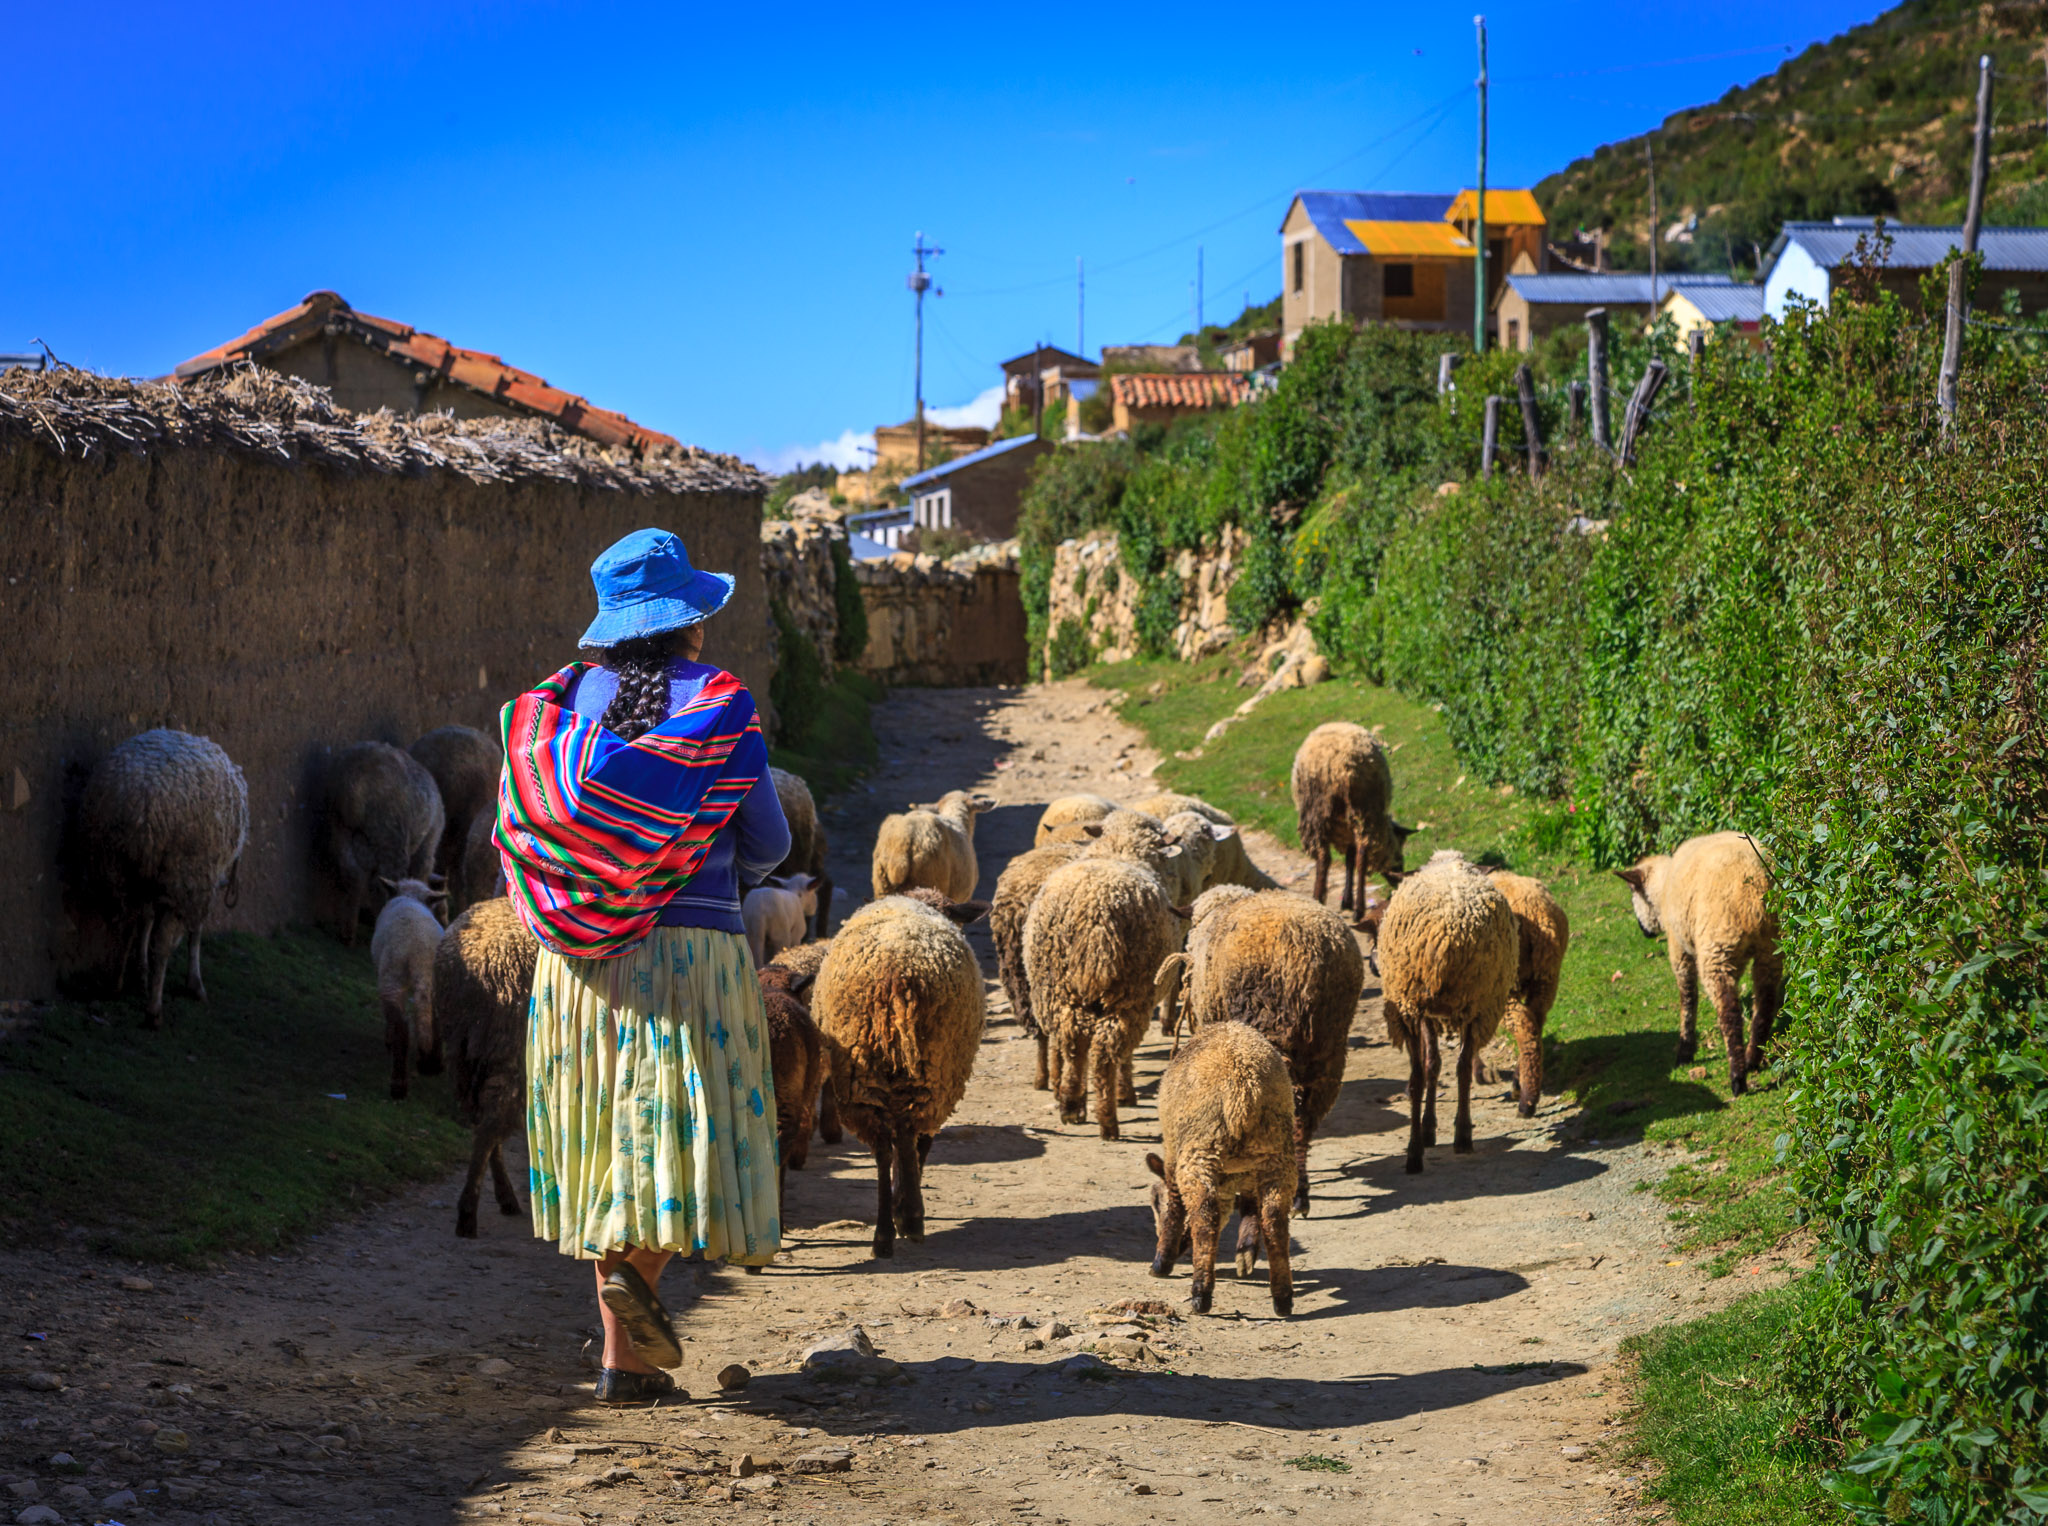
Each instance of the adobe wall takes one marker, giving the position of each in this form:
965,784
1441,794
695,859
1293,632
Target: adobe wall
285,610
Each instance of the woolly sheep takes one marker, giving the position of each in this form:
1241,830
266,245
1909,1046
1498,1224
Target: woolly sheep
1093,940
402,950
1447,955
1233,865
465,764
1543,934
1708,899
899,1005
483,983
797,1057
1226,1126
1071,810
807,845
1016,888
1343,791
384,821
930,846
162,823
480,870
1289,968
803,962
777,913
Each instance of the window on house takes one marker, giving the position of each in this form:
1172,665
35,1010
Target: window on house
1300,266
1514,333
1400,280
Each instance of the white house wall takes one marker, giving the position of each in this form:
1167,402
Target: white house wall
1796,274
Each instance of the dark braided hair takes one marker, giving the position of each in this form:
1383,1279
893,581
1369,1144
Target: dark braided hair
642,665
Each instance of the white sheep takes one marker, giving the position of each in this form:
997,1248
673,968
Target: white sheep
930,847
402,949
1233,865
778,913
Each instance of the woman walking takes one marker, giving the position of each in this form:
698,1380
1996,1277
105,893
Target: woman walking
629,817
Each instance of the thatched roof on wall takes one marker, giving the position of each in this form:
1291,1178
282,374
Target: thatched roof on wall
251,411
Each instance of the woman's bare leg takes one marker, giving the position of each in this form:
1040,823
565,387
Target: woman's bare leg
618,1349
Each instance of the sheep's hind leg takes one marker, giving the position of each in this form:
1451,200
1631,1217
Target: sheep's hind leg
1043,1080
1205,1219
1461,1130
501,1183
1768,976
911,1150
1351,885
1172,1228
1247,1234
1301,1127
1127,1082
1412,1041
482,1148
1687,970
885,1207
1279,1260
1108,1072
163,939
1320,852
1721,991
1070,1077
398,1040
829,1128
194,982
1432,1068
1527,1026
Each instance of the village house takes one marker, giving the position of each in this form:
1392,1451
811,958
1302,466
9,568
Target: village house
1398,258
1045,376
1254,352
1531,305
1150,397
368,363
1182,358
1807,259
896,446
979,493
1696,306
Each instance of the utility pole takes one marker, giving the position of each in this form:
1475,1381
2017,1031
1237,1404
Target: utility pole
1650,157
1479,217
1980,168
921,282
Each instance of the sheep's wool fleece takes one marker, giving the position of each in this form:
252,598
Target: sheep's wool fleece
1164,806
402,948
1337,756
900,1007
1227,1094
1542,931
1712,895
1096,936
927,850
1448,949
1071,810
165,815
804,959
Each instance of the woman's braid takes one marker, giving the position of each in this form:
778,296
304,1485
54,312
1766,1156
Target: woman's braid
642,666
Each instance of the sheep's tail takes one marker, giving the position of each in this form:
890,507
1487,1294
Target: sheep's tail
1166,992
1241,1107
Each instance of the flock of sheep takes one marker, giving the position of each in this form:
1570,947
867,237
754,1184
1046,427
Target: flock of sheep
1114,913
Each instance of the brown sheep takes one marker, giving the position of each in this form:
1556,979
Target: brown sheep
1545,933
483,983
899,1004
1093,940
797,1056
1226,1126
465,764
1343,795
384,822
807,845
930,847
1233,865
804,961
1016,888
1288,968
1709,900
1447,956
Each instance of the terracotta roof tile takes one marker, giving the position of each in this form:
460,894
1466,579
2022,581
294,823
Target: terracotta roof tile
474,369
1160,389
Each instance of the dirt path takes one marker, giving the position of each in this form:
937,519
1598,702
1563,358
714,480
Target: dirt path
1450,1358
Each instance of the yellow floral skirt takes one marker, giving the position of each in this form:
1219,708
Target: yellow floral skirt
650,1111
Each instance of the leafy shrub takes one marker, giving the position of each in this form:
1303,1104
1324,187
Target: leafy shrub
850,640
1071,650
798,682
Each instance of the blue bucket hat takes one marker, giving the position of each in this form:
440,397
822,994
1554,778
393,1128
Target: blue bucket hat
646,585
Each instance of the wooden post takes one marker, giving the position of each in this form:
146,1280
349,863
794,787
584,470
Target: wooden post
1532,437
1490,441
1637,418
1596,377
1958,301
1445,365
1577,393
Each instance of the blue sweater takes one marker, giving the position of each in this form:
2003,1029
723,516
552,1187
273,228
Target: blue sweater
751,844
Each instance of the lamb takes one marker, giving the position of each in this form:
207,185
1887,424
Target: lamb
1017,887
797,1057
162,826
402,948
1226,1125
483,983
480,870
384,821
465,764
1201,842
1709,900
1343,791
807,844
899,1005
1289,968
1544,933
1233,865
1093,939
1071,810
777,913
930,846
1447,955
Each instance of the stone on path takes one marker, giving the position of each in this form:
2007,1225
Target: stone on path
849,1353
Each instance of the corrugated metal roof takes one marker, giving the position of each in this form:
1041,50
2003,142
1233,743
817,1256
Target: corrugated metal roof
1329,211
1723,302
1384,239
1621,288
1504,208
1916,247
932,474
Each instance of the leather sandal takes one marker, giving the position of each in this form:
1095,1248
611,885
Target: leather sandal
641,1315
615,1385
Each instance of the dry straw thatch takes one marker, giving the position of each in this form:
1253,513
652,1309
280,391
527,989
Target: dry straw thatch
264,413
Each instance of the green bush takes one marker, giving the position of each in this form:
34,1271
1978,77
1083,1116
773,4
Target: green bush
798,682
1071,649
851,638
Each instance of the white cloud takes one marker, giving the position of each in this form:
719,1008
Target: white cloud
982,413
846,453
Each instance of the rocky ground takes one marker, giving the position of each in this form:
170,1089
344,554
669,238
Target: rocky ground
1451,1357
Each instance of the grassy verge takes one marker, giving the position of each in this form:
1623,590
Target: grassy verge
838,743
253,1118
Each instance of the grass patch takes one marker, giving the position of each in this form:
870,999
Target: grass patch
838,741
1319,1462
1613,1031
218,1133
1712,1417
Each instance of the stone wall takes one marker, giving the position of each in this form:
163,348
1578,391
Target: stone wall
1091,584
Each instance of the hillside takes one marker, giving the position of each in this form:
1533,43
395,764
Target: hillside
1877,120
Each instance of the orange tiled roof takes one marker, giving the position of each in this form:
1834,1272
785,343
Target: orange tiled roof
1164,389
521,390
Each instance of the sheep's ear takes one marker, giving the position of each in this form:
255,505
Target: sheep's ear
437,879
387,884
980,803
800,983
965,912
1185,913
1401,833
1632,876
1172,852
1091,829
1155,1165
1220,832
1393,877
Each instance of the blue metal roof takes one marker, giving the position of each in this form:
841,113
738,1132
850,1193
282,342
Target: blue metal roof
932,474
1621,288
1914,247
1330,210
1723,301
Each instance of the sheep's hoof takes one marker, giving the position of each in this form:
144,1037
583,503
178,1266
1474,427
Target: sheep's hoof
1301,1203
1526,1109
751,1271
1414,1163
1738,1083
153,1021
465,1226
1755,1058
1687,1048
1199,1302
1283,1303
1247,1262
1461,1146
1161,1268
1041,1085
884,1248
510,1208
831,1136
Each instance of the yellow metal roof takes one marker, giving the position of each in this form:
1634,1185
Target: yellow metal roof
1382,240
1502,207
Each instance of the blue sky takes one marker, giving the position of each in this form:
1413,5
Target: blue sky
702,216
